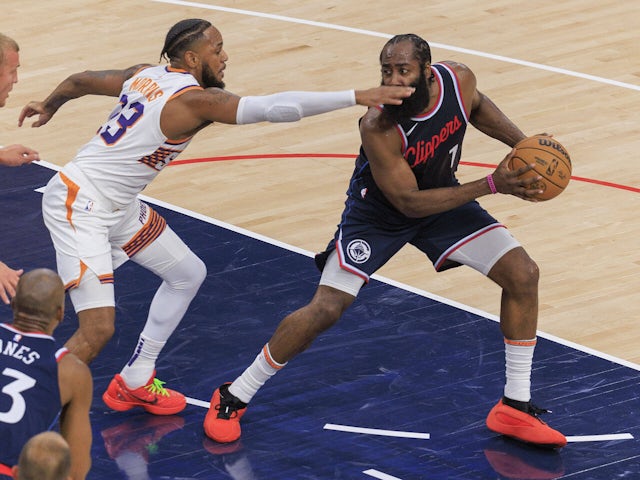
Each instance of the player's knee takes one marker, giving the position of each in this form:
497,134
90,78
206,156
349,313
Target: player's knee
199,272
97,334
103,333
524,276
188,274
326,314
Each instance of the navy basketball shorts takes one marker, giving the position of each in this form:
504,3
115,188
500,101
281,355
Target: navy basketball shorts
370,234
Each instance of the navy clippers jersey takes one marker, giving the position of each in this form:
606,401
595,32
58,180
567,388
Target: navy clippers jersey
29,391
431,142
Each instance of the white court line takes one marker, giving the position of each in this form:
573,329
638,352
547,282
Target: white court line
375,431
600,438
382,476
427,436
477,53
388,281
198,403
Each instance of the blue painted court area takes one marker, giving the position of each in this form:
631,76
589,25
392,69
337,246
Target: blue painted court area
398,361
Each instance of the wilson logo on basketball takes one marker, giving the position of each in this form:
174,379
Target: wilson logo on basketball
546,142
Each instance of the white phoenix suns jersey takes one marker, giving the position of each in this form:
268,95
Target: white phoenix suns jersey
129,149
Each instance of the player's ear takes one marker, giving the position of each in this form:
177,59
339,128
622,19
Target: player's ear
428,73
191,58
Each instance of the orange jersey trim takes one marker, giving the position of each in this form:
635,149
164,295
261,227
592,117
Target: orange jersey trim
106,278
176,70
270,361
148,233
75,282
72,193
521,343
144,67
185,90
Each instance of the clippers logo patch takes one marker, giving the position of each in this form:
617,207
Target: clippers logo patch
358,251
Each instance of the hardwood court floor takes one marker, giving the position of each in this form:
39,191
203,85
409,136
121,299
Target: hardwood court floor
569,68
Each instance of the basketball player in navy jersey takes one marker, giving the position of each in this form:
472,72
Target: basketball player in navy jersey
404,190
39,381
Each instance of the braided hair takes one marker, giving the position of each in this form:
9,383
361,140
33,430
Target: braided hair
181,36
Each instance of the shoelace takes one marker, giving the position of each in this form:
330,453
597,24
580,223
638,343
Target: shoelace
227,407
226,411
157,387
536,411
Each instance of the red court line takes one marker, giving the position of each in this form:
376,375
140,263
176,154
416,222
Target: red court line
261,156
345,155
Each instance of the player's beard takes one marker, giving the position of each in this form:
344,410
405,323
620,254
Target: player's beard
209,78
412,105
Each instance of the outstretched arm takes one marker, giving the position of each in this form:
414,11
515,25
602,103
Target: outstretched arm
293,106
16,155
188,113
105,82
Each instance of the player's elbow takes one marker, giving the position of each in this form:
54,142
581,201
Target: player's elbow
284,113
407,206
411,212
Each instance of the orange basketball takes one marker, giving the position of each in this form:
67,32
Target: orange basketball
552,163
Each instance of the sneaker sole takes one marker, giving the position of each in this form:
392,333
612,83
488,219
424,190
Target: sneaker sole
120,406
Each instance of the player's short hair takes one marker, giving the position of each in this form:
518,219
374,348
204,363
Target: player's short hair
181,36
46,456
421,49
7,43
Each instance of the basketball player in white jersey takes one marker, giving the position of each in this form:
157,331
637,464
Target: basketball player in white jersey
95,218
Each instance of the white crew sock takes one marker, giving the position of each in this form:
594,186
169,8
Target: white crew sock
262,369
519,358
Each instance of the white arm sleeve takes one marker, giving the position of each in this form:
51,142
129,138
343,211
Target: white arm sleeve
291,106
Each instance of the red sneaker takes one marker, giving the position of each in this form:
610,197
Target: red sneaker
153,397
522,425
222,422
